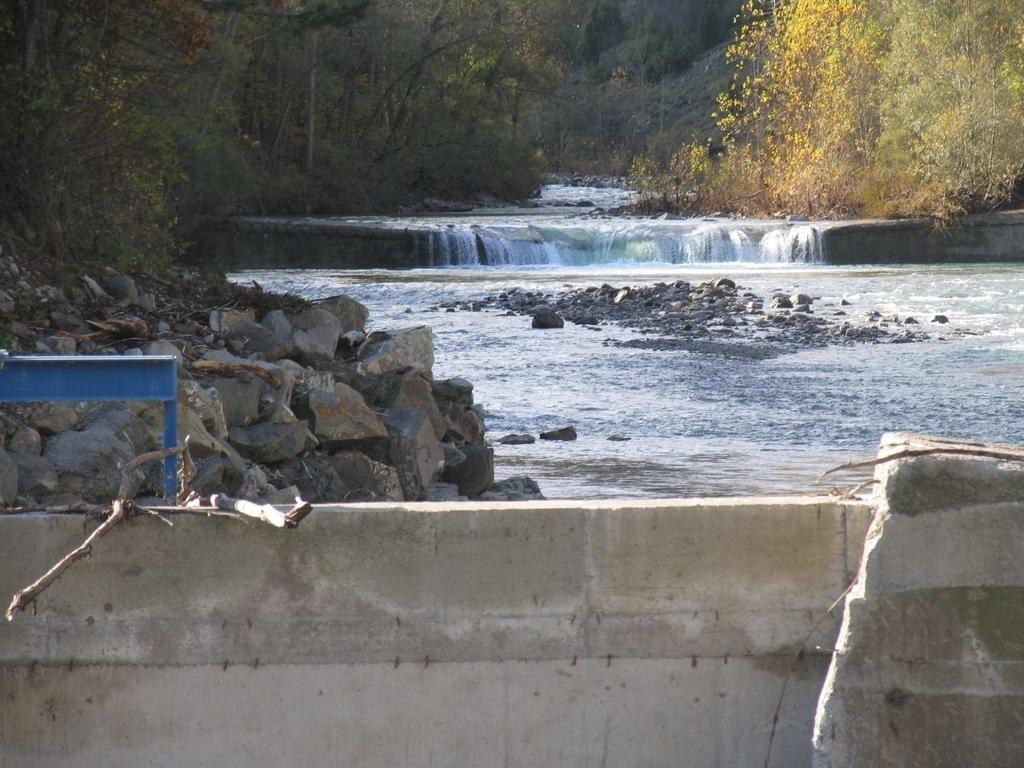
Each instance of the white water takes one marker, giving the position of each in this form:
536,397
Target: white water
579,242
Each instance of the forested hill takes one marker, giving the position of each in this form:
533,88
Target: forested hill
122,122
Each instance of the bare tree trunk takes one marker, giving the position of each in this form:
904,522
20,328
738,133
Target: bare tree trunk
314,39
232,30
31,18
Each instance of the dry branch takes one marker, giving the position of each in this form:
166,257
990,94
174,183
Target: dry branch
264,512
123,508
213,367
916,452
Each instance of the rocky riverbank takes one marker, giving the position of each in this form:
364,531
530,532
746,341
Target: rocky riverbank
716,317
278,396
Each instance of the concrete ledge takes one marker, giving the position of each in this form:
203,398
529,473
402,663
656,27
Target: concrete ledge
529,634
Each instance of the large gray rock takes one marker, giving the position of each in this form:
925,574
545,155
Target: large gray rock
223,320
26,440
318,343
411,349
54,418
255,338
413,392
240,398
350,313
342,416
123,288
271,443
365,479
87,462
475,474
415,451
277,323
37,479
8,479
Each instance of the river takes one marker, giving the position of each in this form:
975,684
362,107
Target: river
703,424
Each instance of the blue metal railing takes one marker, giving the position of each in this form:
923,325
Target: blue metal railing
38,379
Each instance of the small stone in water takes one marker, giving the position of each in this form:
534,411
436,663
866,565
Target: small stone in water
619,438
940,319
518,440
565,434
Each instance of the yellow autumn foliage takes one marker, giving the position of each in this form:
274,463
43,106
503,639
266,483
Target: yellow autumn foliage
888,107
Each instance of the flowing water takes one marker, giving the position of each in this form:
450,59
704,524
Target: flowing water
703,424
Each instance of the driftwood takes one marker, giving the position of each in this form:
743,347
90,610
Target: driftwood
215,368
124,507
264,512
911,453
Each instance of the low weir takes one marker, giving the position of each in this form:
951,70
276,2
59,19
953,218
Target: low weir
574,241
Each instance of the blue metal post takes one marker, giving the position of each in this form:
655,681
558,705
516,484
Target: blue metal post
40,379
170,441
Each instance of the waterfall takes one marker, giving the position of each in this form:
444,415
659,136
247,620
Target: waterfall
581,243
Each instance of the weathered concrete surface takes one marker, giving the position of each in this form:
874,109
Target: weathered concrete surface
980,238
930,663
653,633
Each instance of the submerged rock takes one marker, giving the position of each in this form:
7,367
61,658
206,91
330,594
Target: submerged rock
565,434
518,440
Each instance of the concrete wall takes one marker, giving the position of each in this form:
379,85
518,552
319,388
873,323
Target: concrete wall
536,634
929,669
981,238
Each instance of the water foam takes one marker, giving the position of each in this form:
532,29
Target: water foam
577,244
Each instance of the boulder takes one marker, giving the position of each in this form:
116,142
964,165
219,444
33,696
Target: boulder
87,461
210,476
518,440
309,319
413,392
445,492
798,299
565,434
54,418
465,425
37,478
123,288
271,443
350,313
453,390
365,479
414,451
519,488
278,323
475,474
26,440
452,455
548,319
320,343
341,416
409,349
8,479
723,282
223,320
57,345
940,319
240,398
255,338
207,407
